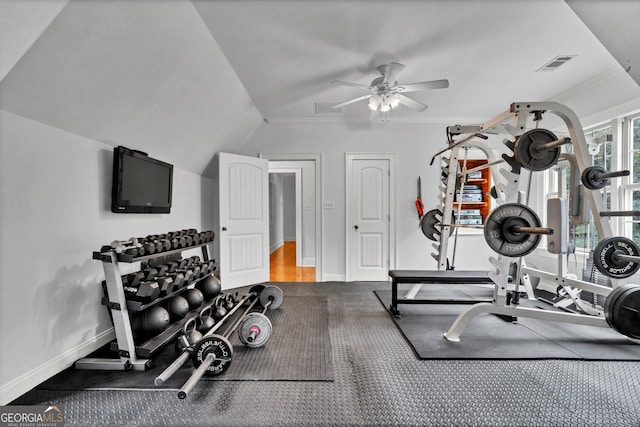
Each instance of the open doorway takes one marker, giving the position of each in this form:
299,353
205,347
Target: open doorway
286,234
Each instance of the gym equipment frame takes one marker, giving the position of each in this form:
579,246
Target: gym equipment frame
502,305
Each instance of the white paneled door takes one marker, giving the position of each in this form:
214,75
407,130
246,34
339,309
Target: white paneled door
244,220
369,217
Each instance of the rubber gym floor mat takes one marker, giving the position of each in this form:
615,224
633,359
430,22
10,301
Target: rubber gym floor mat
490,337
378,382
299,349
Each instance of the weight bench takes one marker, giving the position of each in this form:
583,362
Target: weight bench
434,276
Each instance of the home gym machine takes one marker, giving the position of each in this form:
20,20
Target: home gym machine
435,228
513,229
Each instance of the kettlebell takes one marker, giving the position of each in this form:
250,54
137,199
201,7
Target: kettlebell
219,311
188,337
206,322
230,301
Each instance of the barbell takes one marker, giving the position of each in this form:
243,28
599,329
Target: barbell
213,354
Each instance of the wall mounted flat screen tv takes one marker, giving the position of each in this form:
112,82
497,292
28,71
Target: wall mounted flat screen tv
140,184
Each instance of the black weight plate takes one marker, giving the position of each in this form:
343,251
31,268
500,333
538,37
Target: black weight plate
610,302
222,350
257,289
626,312
589,179
494,230
431,224
526,150
605,260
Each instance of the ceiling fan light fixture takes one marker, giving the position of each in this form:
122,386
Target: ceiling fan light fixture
374,102
384,107
394,100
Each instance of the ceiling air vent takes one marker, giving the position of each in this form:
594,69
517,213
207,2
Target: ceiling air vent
555,63
324,108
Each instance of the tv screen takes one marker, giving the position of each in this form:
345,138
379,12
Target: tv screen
141,184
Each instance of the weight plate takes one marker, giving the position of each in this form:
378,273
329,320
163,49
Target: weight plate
221,349
271,293
431,224
610,302
626,312
606,261
589,179
257,289
527,154
254,330
498,230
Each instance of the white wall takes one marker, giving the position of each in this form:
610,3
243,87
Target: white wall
276,233
55,189
414,145
289,207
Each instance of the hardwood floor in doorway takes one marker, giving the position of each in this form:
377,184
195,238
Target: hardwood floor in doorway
283,266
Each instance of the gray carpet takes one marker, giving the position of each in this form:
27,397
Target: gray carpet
489,337
299,349
378,382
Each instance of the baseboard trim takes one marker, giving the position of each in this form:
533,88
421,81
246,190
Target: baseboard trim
31,379
275,246
334,278
308,261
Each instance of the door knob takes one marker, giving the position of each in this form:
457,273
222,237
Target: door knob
356,227
224,228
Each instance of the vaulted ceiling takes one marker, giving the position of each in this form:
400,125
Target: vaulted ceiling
185,79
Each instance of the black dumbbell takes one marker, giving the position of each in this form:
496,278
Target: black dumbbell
150,273
166,284
132,279
144,291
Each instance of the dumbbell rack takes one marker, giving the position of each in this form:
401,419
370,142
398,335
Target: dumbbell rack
132,356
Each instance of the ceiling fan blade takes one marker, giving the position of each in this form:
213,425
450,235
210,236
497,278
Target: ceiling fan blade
414,87
392,72
343,83
411,103
350,101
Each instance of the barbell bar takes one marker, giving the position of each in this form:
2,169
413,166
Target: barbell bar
184,356
213,354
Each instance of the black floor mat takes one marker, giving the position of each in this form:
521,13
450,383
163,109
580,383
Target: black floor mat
299,349
490,337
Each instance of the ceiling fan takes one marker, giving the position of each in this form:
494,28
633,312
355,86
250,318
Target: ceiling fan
385,93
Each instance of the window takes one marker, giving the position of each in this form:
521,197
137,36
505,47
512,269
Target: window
631,191
585,236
